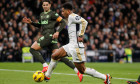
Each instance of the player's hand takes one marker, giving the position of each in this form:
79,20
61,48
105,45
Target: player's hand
80,39
55,35
26,20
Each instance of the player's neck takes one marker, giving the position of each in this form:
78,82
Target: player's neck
70,12
46,10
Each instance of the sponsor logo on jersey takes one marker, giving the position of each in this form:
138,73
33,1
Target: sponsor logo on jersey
44,22
56,14
77,17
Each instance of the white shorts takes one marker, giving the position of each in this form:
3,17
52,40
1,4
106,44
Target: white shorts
77,54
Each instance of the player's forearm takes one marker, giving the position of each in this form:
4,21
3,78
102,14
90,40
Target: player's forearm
36,24
63,24
83,28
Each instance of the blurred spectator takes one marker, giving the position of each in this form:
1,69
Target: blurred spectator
137,46
110,54
106,43
1,47
120,53
110,22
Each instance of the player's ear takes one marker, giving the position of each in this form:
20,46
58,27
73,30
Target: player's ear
69,11
50,5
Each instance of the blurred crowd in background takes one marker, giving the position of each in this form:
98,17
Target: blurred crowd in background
112,25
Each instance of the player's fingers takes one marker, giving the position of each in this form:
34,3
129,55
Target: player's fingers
25,18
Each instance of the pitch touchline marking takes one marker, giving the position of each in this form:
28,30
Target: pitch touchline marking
62,74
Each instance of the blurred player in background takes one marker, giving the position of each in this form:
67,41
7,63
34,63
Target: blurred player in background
47,21
75,48
137,82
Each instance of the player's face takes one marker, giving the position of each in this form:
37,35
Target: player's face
46,6
65,12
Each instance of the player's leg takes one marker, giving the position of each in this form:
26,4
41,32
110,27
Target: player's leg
137,82
36,46
92,72
54,47
35,52
139,79
67,62
71,65
79,58
57,54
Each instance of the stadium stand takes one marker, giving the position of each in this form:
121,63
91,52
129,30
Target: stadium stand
111,23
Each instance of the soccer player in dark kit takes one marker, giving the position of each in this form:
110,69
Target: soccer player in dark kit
136,82
47,21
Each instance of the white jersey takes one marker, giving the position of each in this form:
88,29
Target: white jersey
76,27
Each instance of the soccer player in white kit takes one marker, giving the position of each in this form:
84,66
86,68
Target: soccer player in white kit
75,48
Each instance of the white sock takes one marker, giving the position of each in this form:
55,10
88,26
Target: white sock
52,66
75,69
45,64
94,73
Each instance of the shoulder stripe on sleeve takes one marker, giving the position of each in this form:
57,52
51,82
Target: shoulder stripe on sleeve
83,27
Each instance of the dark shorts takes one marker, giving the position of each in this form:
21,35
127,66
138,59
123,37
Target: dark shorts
47,42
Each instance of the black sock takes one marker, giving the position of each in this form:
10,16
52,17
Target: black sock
139,79
67,62
37,55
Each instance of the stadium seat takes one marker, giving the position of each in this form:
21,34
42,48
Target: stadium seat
26,55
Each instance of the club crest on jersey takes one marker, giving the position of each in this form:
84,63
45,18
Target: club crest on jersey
77,17
56,14
47,16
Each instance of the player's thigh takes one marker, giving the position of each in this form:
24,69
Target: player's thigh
44,42
59,53
53,47
35,46
80,66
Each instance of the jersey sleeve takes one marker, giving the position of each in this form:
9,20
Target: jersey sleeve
58,18
78,19
36,24
55,16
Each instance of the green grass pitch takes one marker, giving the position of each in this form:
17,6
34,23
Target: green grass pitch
21,73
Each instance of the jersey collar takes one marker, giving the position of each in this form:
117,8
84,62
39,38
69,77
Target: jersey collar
47,12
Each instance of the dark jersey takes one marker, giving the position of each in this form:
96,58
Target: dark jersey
47,21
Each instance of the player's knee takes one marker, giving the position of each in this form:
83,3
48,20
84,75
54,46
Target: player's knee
32,50
81,71
54,57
